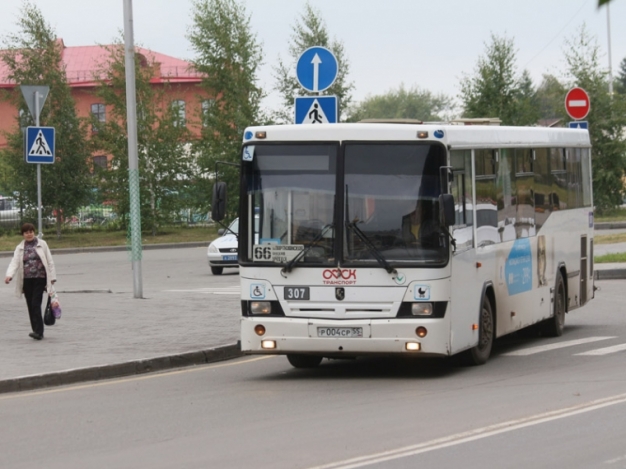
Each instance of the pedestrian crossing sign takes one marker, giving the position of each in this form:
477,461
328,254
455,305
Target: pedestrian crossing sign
40,142
316,110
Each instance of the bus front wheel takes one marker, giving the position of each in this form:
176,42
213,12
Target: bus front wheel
479,354
304,361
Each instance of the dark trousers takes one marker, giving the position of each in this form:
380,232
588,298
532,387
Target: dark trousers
33,291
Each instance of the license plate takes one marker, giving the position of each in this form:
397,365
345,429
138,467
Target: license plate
297,293
229,258
340,332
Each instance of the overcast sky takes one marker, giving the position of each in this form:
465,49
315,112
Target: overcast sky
429,44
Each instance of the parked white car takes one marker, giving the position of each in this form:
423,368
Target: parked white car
9,212
222,251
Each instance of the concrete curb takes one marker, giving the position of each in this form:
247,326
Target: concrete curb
609,225
118,370
609,274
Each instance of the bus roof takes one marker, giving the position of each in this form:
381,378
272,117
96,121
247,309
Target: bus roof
452,135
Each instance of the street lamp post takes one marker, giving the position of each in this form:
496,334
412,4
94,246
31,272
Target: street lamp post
133,165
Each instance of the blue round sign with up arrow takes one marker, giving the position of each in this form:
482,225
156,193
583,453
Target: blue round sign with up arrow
317,69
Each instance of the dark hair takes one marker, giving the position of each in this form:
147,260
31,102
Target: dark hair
27,227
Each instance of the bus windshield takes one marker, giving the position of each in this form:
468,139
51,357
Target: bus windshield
391,194
292,189
385,202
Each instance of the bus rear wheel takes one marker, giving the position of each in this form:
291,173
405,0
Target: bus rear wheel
553,327
304,361
479,354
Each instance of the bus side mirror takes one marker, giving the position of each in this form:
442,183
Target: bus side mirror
218,205
446,204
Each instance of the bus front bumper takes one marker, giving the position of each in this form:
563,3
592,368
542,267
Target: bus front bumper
310,336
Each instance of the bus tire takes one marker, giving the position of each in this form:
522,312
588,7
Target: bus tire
217,270
304,361
479,354
553,326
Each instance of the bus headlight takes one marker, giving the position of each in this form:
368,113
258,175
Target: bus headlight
260,307
422,309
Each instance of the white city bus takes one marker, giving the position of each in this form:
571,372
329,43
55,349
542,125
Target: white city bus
408,238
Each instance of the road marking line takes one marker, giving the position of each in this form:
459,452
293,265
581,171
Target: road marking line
544,348
473,435
613,461
110,381
605,350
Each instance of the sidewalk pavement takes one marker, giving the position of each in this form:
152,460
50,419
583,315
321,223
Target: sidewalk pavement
186,317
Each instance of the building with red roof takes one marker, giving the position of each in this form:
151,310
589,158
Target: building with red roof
83,65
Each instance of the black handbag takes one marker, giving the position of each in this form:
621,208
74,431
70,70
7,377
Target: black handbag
48,317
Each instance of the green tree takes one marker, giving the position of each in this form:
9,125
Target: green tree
32,56
402,103
607,119
497,90
165,165
308,32
620,82
550,97
228,55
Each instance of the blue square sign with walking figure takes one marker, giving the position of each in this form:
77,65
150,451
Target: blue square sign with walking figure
316,110
39,146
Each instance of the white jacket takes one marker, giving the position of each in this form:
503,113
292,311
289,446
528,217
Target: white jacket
16,267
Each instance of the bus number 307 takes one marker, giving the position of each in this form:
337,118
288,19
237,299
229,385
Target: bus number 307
297,293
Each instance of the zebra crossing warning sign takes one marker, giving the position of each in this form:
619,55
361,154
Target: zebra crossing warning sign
316,109
39,146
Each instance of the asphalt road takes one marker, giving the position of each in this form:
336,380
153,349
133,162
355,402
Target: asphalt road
539,402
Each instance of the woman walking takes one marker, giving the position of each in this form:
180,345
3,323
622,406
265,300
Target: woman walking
32,262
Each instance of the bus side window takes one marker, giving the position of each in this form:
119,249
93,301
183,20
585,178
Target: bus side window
558,194
506,195
574,187
461,189
525,187
542,186
486,198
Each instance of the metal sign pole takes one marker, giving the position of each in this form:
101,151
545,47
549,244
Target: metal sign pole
40,235
608,32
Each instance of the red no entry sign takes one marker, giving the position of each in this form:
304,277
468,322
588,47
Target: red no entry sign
577,103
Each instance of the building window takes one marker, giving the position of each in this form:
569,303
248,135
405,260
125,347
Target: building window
207,104
178,112
99,114
100,162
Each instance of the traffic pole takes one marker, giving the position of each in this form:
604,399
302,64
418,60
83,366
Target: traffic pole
39,229
133,165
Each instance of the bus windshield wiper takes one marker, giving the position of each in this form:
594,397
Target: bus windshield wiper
309,246
351,225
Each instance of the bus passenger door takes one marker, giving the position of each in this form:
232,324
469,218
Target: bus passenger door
465,296
464,300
